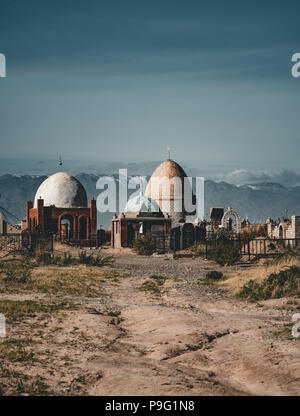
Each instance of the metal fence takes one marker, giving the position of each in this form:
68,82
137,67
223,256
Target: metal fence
260,247
24,244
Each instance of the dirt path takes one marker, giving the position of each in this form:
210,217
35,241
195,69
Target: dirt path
187,338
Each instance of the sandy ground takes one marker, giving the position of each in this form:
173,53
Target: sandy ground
187,339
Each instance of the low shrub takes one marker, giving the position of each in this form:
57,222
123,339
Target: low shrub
225,253
99,260
198,250
16,272
144,245
160,280
214,275
276,285
150,286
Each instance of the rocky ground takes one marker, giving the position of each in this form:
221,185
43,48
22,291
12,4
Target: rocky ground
119,331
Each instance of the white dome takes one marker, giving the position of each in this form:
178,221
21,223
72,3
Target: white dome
166,187
63,191
140,203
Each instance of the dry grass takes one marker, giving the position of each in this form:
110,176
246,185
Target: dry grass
258,273
15,310
16,383
73,281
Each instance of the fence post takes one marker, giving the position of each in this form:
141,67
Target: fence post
249,255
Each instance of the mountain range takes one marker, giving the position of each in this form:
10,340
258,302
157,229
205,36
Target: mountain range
257,201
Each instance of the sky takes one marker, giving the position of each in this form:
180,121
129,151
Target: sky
122,80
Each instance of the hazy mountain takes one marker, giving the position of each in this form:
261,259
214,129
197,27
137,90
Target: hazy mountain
257,202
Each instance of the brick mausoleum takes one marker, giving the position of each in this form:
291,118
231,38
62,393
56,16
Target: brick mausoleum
60,207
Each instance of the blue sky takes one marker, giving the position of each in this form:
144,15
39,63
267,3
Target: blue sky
122,80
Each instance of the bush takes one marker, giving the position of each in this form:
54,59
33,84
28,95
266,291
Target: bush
45,258
225,254
144,245
150,286
287,254
99,261
160,280
198,249
16,273
214,275
276,285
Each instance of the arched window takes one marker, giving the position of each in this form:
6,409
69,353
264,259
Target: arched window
66,226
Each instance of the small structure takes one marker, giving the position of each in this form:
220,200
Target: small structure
286,229
227,221
141,215
60,207
216,215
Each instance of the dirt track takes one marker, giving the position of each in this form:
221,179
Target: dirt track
189,338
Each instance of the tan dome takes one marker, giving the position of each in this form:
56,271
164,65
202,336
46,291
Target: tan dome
166,188
63,191
170,169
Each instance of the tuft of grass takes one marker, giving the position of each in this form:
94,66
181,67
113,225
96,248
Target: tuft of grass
160,280
276,285
16,273
14,383
149,286
14,350
114,314
100,260
213,277
115,275
15,310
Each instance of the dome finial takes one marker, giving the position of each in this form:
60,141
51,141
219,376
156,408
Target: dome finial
169,152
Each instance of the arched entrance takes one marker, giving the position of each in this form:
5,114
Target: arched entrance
82,228
66,226
231,221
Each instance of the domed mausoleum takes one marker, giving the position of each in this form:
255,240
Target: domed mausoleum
60,207
168,188
61,190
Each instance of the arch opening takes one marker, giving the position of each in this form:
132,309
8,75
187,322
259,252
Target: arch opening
66,226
